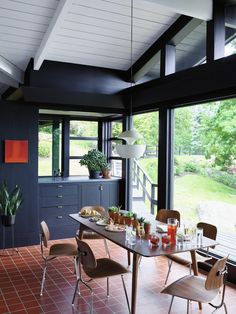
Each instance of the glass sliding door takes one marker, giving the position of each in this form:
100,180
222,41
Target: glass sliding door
205,168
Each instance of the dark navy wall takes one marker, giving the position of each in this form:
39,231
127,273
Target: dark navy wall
20,122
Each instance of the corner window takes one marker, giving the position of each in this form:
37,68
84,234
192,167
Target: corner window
49,147
83,137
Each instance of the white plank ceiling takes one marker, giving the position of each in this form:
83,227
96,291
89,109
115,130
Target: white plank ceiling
89,32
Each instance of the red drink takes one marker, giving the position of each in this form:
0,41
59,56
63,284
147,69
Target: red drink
154,239
171,231
165,240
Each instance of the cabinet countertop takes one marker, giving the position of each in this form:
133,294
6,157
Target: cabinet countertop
74,179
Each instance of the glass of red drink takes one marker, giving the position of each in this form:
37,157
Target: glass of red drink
172,225
154,239
165,240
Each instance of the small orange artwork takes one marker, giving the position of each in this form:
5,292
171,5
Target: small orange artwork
16,151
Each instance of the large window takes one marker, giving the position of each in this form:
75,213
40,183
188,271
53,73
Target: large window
144,174
49,147
83,137
205,167
115,160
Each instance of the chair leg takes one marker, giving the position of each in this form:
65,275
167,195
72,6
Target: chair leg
106,248
76,266
226,312
44,275
128,257
76,288
168,273
187,306
126,295
172,299
108,292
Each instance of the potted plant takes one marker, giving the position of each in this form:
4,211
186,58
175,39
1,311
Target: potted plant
106,170
113,212
93,160
9,204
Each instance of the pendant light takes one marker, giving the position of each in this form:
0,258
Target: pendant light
131,150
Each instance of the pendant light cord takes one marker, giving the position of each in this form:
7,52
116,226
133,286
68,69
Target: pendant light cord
131,54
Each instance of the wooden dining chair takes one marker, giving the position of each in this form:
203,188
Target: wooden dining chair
96,268
194,288
55,250
88,234
184,258
164,214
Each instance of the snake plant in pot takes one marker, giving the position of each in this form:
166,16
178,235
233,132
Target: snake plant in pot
9,204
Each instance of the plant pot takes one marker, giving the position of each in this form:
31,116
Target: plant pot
128,221
147,228
8,220
93,174
111,214
106,174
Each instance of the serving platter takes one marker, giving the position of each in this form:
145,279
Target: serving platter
114,228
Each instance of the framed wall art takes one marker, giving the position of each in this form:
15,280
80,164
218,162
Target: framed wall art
16,151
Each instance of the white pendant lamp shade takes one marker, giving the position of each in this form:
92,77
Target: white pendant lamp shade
130,151
130,136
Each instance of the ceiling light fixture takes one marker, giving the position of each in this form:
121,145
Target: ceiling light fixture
131,150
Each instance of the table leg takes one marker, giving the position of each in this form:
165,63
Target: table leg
134,283
195,270
81,230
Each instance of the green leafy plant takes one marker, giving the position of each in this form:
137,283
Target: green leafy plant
106,166
9,202
114,209
141,220
129,214
94,160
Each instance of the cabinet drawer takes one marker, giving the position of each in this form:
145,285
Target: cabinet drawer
58,200
58,216
57,189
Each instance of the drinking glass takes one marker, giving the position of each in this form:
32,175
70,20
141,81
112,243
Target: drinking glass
172,225
128,230
154,239
132,238
199,235
165,240
141,232
188,232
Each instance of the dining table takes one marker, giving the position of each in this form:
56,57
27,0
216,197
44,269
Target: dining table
142,247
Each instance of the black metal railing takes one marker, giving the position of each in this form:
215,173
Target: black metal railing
151,151
142,182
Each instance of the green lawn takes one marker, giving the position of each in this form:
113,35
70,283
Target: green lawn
191,189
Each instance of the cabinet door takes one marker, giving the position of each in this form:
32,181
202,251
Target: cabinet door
90,194
114,199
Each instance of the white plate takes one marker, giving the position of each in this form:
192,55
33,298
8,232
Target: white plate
162,228
101,223
112,228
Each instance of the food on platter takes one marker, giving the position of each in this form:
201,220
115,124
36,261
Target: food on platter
89,212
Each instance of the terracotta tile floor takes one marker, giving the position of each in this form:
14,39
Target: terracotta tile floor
20,277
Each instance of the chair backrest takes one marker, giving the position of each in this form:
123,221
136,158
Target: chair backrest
209,231
86,255
164,214
101,210
215,278
45,234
